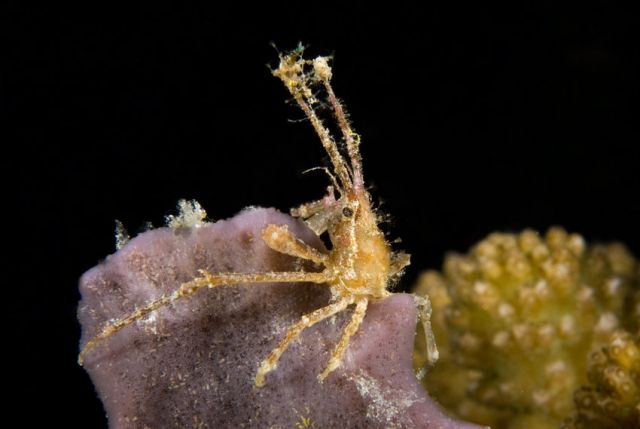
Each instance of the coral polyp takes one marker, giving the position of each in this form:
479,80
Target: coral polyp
516,321
612,396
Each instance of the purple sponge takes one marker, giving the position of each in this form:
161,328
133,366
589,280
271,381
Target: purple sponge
192,364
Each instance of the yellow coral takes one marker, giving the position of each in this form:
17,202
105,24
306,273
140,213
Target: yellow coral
612,396
516,321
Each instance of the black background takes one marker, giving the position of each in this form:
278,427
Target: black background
472,120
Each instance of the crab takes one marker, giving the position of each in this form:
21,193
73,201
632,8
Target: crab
359,268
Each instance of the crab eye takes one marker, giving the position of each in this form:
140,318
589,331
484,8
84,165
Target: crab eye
347,212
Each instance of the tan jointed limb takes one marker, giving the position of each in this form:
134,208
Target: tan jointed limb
186,289
423,306
279,238
347,133
306,321
289,72
341,347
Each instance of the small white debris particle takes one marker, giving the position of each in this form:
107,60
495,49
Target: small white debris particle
190,215
322,69
122,237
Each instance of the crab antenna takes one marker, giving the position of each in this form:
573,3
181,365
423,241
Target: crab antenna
323,72
331,176
291,72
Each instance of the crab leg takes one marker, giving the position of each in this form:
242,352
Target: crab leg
306,321
341,347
